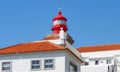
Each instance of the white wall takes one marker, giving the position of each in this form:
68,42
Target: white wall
117,58
102,57
94,68
101,61
22,62
70,58
98,54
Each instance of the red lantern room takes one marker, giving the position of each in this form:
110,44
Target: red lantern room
59,22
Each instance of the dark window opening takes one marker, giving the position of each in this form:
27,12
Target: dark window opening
96,62
35,64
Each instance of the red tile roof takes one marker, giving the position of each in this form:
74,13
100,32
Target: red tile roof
50,37
99,48
34,47
31,47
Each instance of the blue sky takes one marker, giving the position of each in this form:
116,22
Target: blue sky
90,22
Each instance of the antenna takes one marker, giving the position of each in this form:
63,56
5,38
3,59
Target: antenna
60,9
59,4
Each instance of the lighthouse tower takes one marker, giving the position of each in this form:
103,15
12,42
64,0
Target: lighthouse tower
59,22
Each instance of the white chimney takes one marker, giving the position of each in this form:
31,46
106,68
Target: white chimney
62,34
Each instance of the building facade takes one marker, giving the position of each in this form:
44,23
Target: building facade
104,58
54,53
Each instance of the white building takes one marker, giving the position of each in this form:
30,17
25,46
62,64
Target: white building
54,53
104,58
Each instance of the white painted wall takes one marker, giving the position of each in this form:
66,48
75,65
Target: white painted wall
70,58
98,54
22,62
102,57
117,58
94,68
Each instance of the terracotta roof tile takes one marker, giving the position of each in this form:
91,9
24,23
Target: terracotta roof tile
31,47
50,37
99,48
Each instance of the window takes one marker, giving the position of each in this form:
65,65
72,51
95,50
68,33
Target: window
49,63
96,62
73,68
108,61
35,64
59,22
86,63
6,66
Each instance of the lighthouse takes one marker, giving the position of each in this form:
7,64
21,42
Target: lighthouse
59,22
59,26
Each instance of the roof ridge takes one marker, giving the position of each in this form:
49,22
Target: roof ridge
48,42
16,45
18,48
55,44
106,47
11,46
99,45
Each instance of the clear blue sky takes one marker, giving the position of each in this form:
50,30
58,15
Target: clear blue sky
91,22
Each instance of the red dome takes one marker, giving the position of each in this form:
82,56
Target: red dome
59,17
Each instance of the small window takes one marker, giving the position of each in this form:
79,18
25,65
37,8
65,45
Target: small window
108,61
96,62
86,63
35,64
49,63
6,66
